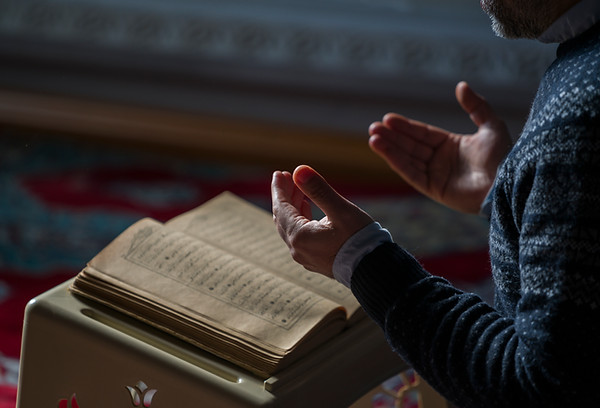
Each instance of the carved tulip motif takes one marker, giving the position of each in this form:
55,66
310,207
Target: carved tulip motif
141,394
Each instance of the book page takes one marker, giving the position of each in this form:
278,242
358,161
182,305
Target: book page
231,223
193,278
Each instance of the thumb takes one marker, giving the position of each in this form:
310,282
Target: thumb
474,104
314,186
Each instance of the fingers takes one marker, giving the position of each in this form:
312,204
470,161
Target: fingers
474,104
289,206
398,147
282,189
406,145
418,139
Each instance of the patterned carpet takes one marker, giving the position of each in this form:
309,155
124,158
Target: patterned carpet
62,201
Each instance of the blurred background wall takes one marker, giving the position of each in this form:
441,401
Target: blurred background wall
279,81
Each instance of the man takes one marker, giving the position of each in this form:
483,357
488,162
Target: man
538,346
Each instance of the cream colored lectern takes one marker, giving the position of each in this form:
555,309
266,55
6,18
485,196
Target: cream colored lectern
79,354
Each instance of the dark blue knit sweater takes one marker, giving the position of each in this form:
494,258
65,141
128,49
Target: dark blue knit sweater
539,346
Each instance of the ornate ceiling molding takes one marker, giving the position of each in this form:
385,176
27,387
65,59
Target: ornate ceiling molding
362,48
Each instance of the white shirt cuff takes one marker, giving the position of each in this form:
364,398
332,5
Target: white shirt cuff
355,248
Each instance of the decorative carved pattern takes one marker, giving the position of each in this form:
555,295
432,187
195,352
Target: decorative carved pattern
256,38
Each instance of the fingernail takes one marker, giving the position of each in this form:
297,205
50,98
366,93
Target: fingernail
302,174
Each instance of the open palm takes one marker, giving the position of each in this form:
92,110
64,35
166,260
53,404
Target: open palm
454,169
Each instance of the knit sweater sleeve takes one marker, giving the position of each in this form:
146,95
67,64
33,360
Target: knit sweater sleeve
470,353
432,325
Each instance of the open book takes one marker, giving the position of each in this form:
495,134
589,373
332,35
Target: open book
220,277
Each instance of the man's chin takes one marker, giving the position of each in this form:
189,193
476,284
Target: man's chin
497,26
500,30
485,6
511,31
511,23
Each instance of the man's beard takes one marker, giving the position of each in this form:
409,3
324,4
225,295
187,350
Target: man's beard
521,19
